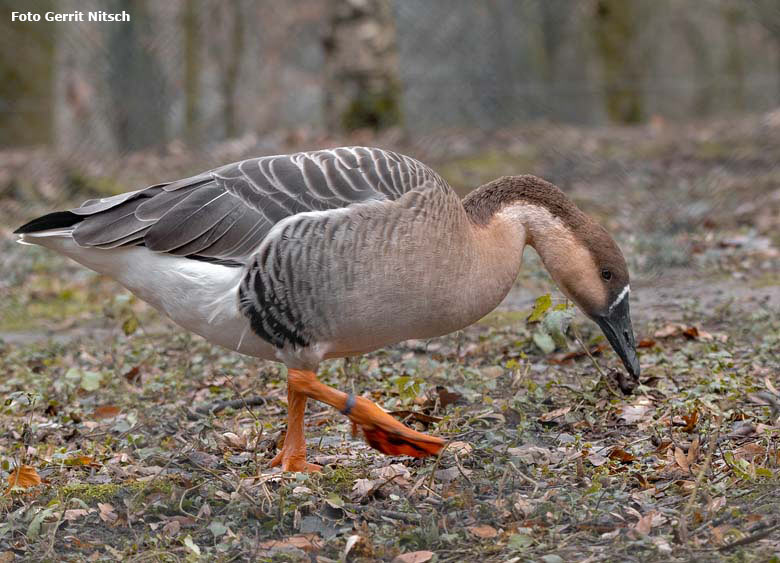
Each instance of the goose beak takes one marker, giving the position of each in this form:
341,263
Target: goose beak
616,326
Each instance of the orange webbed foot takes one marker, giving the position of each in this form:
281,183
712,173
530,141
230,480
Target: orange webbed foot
294,460
388,435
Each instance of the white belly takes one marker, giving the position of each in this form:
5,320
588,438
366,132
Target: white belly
199,296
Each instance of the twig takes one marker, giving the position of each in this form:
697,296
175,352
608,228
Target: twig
436,465
462,471
525,477
394,514
711,445
232,403
751,538
595,363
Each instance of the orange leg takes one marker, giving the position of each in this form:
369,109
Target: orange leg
382,431
292,456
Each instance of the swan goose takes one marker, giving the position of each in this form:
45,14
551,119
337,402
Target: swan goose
331,253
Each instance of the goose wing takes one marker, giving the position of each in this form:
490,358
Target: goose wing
224,214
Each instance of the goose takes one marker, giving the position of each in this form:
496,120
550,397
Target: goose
331,253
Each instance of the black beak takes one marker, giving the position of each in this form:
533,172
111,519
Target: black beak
616,326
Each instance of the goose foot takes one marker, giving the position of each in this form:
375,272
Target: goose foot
388,435
292,459
382,431
292,456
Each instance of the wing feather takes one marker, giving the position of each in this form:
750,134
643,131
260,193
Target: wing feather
226,213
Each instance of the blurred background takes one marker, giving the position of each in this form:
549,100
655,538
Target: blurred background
657,116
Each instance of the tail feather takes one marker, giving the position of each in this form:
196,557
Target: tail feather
57,220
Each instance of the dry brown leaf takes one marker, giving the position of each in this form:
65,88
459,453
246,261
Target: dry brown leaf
172,528
646,343
107,513
719,533
483,531
82,460
668,331
306,542
693,451
76,513
690,420
750,451
462,449
551,415
233,440
414,557
447,397
716,504
24,476
681,459
645,524
580,353
621,455
597,460
634,413
105,411
362,487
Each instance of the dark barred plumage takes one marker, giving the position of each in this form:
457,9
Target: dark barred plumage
226,213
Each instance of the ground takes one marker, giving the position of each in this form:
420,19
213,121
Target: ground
138,441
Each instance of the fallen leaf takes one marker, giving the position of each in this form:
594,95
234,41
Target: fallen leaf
633,413
562,358
172,528
233,440
414,557
450,474
690,420
306,542
362,487
750,451
82,460
24,476
105,411
645,524
681,459
691,332
596,460
668,331
460,448
716,504
447,397
621,455
541,305
107,513
549,416
483,531
191,545
91,380
133,375
693,451
646,343
76,513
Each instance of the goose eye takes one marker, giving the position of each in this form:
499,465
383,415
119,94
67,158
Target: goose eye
606,274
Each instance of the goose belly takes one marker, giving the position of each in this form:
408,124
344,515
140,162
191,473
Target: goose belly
199,296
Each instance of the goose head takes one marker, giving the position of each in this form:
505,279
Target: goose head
590,269
581,256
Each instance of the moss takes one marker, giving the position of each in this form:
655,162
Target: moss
373,110
338,479
90,493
